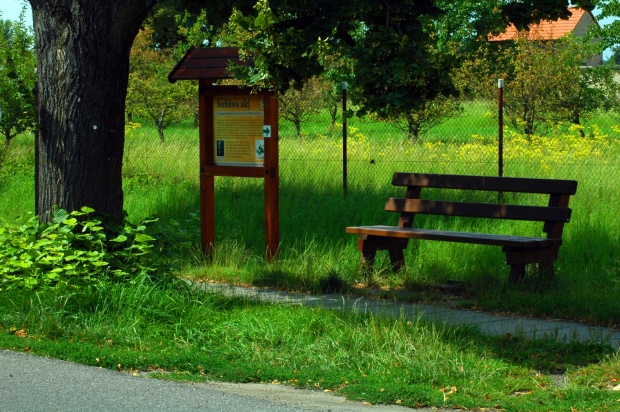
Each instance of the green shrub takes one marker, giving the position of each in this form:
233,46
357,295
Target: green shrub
75,250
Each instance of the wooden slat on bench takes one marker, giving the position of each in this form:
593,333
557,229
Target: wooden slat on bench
461,237
486,210
498,184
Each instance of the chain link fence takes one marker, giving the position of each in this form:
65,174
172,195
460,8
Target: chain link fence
463,142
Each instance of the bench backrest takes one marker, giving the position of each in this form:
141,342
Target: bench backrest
555,214
489,183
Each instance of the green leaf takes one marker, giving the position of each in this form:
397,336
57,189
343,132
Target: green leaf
99,263
119,238
141,237
60,215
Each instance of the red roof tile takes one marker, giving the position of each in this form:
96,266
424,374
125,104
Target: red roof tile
547,29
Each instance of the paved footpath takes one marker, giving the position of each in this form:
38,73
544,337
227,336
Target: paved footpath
35,384
490,324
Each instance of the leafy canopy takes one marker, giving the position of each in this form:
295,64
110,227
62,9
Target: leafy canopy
401,52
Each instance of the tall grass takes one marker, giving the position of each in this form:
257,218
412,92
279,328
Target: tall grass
162,179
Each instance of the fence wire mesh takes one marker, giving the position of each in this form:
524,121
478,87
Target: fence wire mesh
311,149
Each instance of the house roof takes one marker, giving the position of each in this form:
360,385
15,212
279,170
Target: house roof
206,63
548,29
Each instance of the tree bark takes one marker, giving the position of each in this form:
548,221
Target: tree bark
297,123
8,137
160,127
83,48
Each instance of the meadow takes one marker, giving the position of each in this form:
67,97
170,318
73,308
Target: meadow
162,180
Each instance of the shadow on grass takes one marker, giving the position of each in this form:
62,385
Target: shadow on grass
277,278
116,317
586,284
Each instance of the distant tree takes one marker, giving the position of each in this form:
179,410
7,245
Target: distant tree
297,106
330,99
150,95
431,113
17,77
546,82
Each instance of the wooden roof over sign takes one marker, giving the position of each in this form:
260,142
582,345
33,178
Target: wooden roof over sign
206,63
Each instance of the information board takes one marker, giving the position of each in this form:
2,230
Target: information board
239,130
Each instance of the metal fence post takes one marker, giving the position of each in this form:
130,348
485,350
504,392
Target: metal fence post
500,116
344,138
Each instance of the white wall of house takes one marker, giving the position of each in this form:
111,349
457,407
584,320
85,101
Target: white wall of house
580,30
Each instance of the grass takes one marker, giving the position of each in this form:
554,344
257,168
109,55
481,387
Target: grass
188,334
314,213
192,335
162,179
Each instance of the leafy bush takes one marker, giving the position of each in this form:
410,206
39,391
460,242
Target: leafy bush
75,250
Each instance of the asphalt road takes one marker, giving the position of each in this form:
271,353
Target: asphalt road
32,384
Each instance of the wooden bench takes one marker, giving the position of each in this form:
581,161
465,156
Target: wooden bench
519,250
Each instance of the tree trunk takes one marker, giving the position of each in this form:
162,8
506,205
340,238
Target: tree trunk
298,128
9,137
196,118
413,129
83,64
576,120
333,112
160,132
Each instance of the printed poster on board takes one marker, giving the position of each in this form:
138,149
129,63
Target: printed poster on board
238,129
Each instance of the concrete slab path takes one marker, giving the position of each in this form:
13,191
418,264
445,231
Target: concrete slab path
496,325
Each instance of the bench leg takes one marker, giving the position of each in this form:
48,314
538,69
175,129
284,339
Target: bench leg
368,247
519,258
368,250
517,273
397,258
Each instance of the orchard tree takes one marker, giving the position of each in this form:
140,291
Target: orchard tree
297,106
151,95
546,82
17,77
83,50
331,99
431,113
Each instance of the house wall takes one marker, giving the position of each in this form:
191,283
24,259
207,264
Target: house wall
582,26
580,30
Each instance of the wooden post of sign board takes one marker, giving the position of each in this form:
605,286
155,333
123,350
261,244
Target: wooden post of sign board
209,168
207,181
272,179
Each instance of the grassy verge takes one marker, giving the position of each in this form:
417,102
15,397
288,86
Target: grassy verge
187,334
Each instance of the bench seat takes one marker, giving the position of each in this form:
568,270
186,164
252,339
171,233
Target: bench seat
451,236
